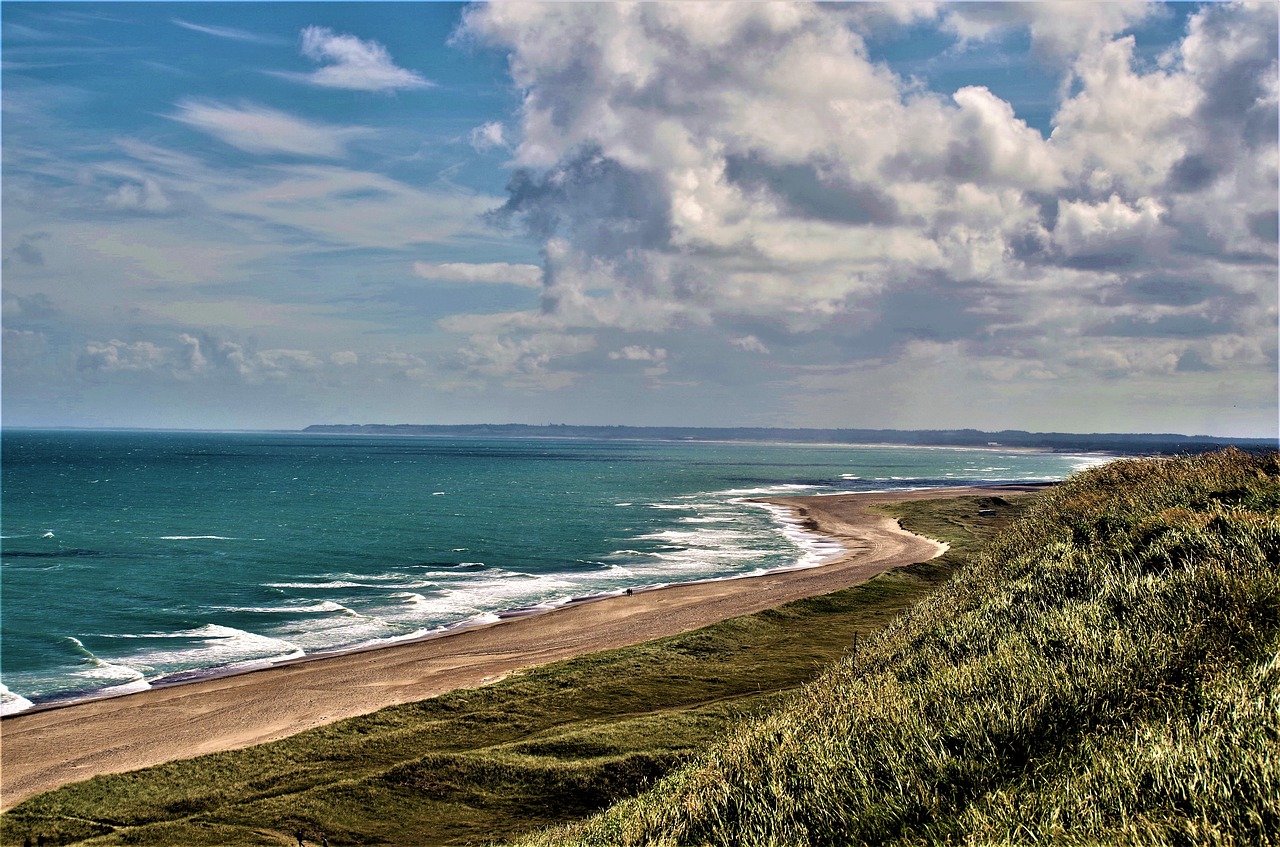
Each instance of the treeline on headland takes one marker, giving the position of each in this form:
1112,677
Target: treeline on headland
1115,443
1106,672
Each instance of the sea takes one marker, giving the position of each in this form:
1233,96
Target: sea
139,559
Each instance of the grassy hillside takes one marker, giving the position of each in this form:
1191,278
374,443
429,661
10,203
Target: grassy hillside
1107,672
546,746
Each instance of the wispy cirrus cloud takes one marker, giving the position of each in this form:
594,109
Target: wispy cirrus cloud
262,130
352,63
228,32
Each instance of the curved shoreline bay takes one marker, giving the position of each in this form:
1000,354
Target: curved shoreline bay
136,560
46,749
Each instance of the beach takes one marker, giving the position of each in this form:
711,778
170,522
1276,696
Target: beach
44,749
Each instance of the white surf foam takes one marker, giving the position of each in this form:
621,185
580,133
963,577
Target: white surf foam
215,647
781,489
815,549
335,583
11,702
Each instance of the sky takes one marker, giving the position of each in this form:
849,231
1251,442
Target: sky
1053,216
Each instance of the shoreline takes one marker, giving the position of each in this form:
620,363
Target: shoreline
499,616
55,744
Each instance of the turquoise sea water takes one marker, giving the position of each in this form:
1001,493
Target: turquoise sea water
132,559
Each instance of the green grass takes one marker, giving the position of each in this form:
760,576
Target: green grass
549,745
1106,672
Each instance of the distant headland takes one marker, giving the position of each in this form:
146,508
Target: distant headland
1115,443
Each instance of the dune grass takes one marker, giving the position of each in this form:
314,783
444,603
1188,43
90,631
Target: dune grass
548,745
1106,672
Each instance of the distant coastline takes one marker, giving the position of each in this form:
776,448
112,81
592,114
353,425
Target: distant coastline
1113,443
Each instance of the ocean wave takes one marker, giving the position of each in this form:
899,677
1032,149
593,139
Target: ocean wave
815,549
695,537
100,669
211,646
196,538
336,583
322,607
11,702
779,489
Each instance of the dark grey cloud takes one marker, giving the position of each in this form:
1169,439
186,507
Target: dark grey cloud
1165,326
27,252
596,202
1235,61
1192,362
1193,172
1166,289
1266,225
812,190
26,308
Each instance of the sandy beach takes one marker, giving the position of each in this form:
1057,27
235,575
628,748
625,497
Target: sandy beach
41,750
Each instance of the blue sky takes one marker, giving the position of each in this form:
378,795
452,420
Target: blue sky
1051,216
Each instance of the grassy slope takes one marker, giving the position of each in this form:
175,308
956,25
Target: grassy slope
549,745
1107,672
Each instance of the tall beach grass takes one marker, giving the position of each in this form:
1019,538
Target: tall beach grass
1106,672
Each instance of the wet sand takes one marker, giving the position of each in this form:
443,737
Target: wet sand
42,750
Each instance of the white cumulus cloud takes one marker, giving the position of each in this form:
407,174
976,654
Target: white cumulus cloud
751,167
353,63
488,136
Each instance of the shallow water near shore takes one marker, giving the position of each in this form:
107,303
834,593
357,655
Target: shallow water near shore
132,559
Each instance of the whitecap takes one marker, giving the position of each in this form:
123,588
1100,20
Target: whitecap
195,538
337,583
218,647
12,702
779,489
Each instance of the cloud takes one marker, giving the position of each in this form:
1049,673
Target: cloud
688,166
23,348
144,196
488,136
117,355
230,33
523,362
1060,29
1110,233
749,344
188,356
266,131
636,353
353,64
528,276
36,307
26,250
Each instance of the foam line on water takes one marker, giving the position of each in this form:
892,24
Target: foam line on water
211,646
815,548
11,703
